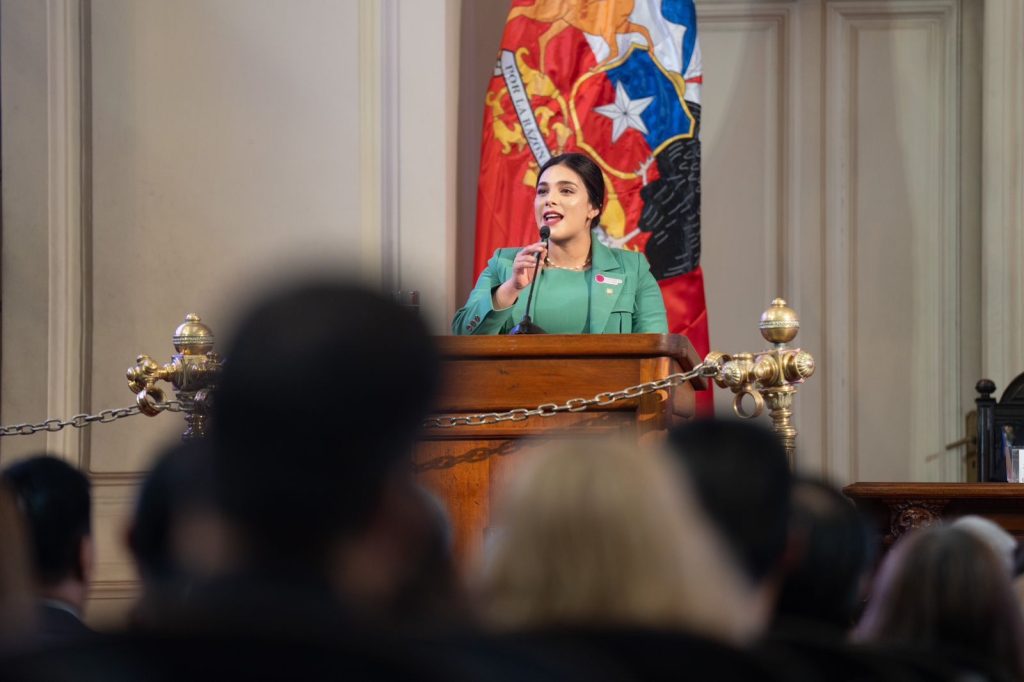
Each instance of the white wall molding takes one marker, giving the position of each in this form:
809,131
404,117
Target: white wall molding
67,277
424,172
775,20
934,319
1003,192
391,102
379,142
370,45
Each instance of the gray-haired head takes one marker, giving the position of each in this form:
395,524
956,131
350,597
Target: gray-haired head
993,535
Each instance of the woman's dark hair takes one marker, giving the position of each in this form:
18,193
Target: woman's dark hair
588,171
944,590
836,552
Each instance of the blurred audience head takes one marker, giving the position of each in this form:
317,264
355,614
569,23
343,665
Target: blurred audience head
430,592
991,533
324,387
833,556
17,613
176,535
944,590
741,474
55,500
604,534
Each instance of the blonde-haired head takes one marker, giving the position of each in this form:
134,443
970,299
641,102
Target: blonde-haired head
600,533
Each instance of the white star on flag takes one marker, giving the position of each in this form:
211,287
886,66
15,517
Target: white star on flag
625,112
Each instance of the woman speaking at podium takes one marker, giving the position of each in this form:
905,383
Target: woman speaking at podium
583,287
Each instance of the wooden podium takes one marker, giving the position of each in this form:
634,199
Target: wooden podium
482,374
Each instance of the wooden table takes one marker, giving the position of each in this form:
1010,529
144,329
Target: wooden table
900,507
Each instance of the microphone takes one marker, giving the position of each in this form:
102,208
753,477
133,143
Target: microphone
526,325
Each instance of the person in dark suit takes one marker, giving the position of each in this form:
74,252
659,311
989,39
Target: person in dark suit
588,288
56,502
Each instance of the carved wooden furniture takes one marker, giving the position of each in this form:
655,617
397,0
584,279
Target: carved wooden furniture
999,423
497,373
897,508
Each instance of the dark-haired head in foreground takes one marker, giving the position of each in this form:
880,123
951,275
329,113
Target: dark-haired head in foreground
324,388
833,555
741,476
176,536
944,591
55,500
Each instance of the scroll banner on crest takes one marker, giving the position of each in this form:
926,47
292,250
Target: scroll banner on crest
618,80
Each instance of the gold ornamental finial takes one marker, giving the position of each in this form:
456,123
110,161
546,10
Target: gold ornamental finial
192,337
779,324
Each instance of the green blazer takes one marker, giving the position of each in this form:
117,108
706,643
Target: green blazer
634,307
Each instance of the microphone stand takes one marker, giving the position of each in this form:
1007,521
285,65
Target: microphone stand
526,325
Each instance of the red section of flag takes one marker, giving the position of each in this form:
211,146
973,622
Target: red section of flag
687,315
504,215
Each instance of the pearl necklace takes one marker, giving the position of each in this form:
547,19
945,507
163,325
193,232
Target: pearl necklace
574,268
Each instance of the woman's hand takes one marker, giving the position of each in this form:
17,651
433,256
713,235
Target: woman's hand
523,265
522,275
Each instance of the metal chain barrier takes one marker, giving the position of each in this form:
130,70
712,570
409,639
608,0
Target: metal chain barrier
107,416
706,370
82,420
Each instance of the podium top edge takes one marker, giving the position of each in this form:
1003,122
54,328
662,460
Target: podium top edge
551,346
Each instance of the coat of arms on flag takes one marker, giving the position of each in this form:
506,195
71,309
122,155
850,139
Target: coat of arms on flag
620,81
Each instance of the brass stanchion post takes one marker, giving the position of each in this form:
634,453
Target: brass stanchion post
769,377
193,372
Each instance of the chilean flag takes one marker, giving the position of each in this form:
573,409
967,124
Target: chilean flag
618,80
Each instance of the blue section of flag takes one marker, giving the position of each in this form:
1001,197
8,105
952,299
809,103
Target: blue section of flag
641,77
683,13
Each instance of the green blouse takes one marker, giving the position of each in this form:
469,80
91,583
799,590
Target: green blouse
617,295
562,302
